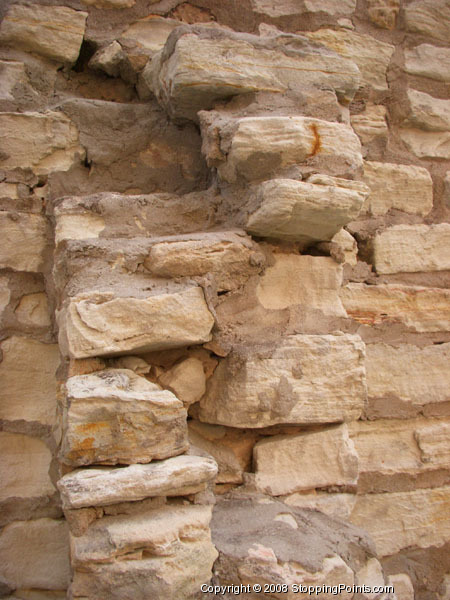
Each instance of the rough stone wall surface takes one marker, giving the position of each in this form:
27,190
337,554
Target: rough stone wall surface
224,298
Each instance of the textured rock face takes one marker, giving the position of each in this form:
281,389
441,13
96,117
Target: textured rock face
116,416
428,61
429,18
287,8
100,324
289,384
24,242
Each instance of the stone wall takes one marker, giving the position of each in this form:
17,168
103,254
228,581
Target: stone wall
224,297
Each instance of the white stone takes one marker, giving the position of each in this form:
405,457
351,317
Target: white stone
24,241
101,324
178,476
371,124
429,17
404,187
420,308
78,227
186,380
28,380
290,463
35,554
55,32
371,55
33,310
312,281
412,248
428,61
403,587
305,379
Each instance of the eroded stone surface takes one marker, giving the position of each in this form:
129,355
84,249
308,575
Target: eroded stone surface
428,61
186,380
24,241
115,416
306,379
383,12
429,17
371,124
290,8
33,310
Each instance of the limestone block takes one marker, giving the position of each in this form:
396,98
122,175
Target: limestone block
164,553
428,61
33,310
16,92
404,589
291,8
5,295
285,464
426,144
302,211
115,416
178,476
347,246
429,17
402,519
412,248
147,36
371,124
262,145
35,554
24,467
108,4
434,443
101,324
55,32
43,142
420,308
230,448
203,64
24,241
305,379
383,12
186,380
371,575
414,375
336,506
28,380
427,112
230,257
371,55
78,226
312,281
403,187
109,59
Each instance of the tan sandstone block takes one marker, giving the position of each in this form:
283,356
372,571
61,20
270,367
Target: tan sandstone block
35,554
420,308
371,124
337,506
303,211
404,589
24,467
290,463
312,281
427,112
383,12
115,416
291,8
433,439
186,380
347,245
33,310
78,227
5,294
305,379
412,249
43,142
371,55
148,34
429,17
28,380
108,4
404,187
402,519
428,61
101,324
24,241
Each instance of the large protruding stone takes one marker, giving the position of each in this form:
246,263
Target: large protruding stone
103,324
302,211
305,379
115,416
200,65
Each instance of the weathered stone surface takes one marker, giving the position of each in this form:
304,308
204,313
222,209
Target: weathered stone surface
101,324
55,32
371,55
33,310
412,248
291,8
427,112
403,187
404,589
290,463
16,92
43,142
110,59
306,379
302,211
28,380
230,448
428,61
347,246
78,226
145,37
186,380
24,467
115,416
24,241
178,476
433,440
429,17
416,376
336,506
420,308
371,575
5,295
402,519
371,124
230,257
35,554
312,281
427,144
164,553
256,152
201,65
383,12
110,3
